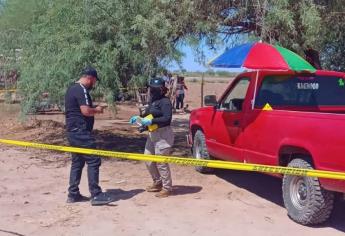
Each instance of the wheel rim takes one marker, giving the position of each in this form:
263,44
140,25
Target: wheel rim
298,192
197,150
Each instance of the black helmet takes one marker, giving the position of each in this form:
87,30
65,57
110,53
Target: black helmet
157,83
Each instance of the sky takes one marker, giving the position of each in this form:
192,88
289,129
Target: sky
189,61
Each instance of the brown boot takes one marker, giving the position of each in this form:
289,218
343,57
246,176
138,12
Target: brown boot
154,187
163,193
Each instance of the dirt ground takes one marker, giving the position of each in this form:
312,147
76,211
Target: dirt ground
33,187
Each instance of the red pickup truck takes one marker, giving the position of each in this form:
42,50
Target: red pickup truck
281,118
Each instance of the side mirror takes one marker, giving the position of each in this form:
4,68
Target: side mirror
210,100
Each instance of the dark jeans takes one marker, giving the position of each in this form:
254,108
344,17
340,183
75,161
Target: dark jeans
179,101
83,139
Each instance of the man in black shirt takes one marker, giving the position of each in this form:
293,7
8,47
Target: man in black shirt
79,124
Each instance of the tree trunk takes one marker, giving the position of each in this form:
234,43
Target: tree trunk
313,57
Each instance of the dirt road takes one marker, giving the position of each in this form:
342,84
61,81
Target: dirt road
33,193
33,190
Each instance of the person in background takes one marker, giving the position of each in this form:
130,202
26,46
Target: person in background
79,125
166,77
180,93
161,140
170,80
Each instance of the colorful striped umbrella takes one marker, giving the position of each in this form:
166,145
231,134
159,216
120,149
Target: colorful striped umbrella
261,56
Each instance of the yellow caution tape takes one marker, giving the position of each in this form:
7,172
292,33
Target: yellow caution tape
186,161
8,90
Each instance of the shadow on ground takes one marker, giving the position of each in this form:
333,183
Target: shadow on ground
180,126
264,186
107,140
184,190
119,137
337,220
269,188
119,194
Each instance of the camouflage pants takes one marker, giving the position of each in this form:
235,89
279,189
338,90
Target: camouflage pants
160,142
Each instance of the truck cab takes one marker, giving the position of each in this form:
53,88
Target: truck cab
282,118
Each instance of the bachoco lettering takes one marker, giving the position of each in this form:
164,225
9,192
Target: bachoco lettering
308,86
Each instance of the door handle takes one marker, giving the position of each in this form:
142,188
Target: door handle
236,122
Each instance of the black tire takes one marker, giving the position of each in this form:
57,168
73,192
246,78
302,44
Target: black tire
200,151
306,201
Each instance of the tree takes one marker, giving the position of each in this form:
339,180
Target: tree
15,19
127,41
293,24
333,35
309,27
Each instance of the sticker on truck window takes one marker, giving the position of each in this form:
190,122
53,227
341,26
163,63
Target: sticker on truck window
308,86
341,83
267,107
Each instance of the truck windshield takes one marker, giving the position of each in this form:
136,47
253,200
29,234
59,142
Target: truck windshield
295,90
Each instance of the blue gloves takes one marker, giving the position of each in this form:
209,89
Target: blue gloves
133,119
146,122
143,121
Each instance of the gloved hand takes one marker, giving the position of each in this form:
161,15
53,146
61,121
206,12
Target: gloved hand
146,122
133,119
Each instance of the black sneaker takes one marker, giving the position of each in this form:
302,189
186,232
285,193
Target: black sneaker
101,199
77,198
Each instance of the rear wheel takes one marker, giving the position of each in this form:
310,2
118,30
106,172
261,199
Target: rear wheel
306,201
200,151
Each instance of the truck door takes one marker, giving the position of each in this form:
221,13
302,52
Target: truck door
227,122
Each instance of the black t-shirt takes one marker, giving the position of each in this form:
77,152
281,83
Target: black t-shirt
77,96
161,111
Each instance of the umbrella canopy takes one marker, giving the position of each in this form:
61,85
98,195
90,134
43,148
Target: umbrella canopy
261,56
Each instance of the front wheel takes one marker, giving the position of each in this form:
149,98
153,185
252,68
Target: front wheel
200,151
306,201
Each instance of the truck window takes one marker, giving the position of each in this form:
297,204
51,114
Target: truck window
310,90
234,99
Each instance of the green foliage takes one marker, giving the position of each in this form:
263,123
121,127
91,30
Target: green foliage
121,39
293,24
125,40
299,25
333,34
13,28
50,41
316,24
